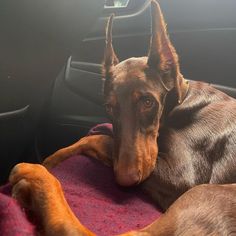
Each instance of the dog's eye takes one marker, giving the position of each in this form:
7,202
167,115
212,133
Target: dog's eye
148,102
109,108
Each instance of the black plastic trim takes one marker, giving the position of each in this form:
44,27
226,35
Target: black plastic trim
14,114
133,23
85,79
132,7
86,66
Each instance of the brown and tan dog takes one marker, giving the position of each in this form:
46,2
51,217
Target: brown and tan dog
169,136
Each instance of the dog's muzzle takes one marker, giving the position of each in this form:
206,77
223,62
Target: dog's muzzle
128,177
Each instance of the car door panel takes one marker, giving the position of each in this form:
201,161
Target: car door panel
36,39
91,74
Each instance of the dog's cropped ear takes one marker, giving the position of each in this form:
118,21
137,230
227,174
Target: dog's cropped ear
110,58
162,56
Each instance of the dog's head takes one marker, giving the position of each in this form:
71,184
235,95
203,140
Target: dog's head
135,91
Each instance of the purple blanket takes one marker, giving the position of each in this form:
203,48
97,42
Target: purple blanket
93,195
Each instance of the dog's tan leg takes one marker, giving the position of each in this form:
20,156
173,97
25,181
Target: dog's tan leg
96,146
40,192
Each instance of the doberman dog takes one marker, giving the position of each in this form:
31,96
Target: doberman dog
174,137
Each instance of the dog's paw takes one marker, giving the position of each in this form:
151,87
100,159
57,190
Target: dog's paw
31,184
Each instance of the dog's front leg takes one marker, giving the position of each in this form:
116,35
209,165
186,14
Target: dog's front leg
41,193
96,146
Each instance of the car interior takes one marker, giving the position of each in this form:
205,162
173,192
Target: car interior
50,63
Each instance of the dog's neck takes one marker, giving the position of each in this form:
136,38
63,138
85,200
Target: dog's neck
171,100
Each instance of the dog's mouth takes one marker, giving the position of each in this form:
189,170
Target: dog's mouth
133,173
128,177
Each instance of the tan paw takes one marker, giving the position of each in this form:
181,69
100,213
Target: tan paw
31,184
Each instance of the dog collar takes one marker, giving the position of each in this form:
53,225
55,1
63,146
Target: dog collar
185,90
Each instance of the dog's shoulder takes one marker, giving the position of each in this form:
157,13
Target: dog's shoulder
206,92
201,102
204,109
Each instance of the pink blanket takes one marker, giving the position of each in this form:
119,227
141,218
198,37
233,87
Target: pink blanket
93,195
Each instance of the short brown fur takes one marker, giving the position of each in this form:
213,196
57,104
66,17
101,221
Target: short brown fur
175,138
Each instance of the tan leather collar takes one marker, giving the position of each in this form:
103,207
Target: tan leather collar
185,88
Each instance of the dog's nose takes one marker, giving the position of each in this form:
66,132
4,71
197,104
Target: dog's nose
128,178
